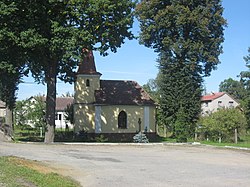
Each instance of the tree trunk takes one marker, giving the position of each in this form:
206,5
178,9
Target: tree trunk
50,104
9,121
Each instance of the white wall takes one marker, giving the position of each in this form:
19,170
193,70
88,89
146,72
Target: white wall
224,101
60,121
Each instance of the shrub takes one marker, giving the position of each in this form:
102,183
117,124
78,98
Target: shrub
140,138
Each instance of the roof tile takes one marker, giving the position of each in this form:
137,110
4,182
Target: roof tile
212,96
115,92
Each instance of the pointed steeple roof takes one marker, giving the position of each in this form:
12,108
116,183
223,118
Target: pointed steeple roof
87,66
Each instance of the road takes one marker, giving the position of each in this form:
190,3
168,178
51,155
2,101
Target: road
134,165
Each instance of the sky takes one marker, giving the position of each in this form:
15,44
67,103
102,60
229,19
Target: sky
136,62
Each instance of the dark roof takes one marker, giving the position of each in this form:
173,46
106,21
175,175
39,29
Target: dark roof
2,104
212,96
87,66
115,92
63,102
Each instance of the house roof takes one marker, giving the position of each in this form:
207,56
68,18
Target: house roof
63,102
2,104
212,96
119,92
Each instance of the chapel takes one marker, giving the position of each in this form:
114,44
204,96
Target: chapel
115,108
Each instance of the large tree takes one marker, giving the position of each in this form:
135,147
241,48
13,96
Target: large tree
54,32
180,91
245,77
12,58
188,33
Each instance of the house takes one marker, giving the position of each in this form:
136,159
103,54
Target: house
115,108
61,105
211,103
2,110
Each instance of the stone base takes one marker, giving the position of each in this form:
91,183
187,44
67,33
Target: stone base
4,138
118,137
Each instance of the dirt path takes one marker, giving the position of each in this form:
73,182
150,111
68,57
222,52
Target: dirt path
149,165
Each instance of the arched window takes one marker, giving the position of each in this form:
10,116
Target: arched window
122,120
87,82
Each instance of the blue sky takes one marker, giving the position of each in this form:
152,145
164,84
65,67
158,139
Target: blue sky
136,62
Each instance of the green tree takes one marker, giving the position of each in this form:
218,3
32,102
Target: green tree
31,112
69,113
180,90
234,88
11,58
20,112
36,112
245,77
54,32
222,124
188,36
151,87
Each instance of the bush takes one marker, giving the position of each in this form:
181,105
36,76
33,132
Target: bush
140,138
222,124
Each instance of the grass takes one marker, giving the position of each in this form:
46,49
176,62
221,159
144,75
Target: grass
244,142
17,172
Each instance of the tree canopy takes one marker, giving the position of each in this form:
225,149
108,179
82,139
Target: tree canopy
221,124
189,31
52,33
187,35
245,77
233,87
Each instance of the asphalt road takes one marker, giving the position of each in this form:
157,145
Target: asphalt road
147,165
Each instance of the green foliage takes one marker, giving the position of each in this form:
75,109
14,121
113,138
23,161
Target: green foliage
152,88
30,112
140,138
101,138
180,91
50,36
246,107
234,88
222,124
245,78
69,113
11,54
186,31
188,36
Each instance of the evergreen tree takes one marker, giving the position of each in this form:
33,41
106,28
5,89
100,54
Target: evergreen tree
180,91
187,35
52,34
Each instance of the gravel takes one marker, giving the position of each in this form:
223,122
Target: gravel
140,165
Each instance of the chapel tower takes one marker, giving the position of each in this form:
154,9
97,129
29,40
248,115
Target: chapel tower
88,79
86,84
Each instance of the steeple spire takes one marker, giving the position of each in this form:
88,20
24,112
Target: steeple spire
87,66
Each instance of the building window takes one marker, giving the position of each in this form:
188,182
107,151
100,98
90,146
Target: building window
87,82
219,103
230,104
122,120
58,117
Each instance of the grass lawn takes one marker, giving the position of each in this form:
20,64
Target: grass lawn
244,142
17,172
